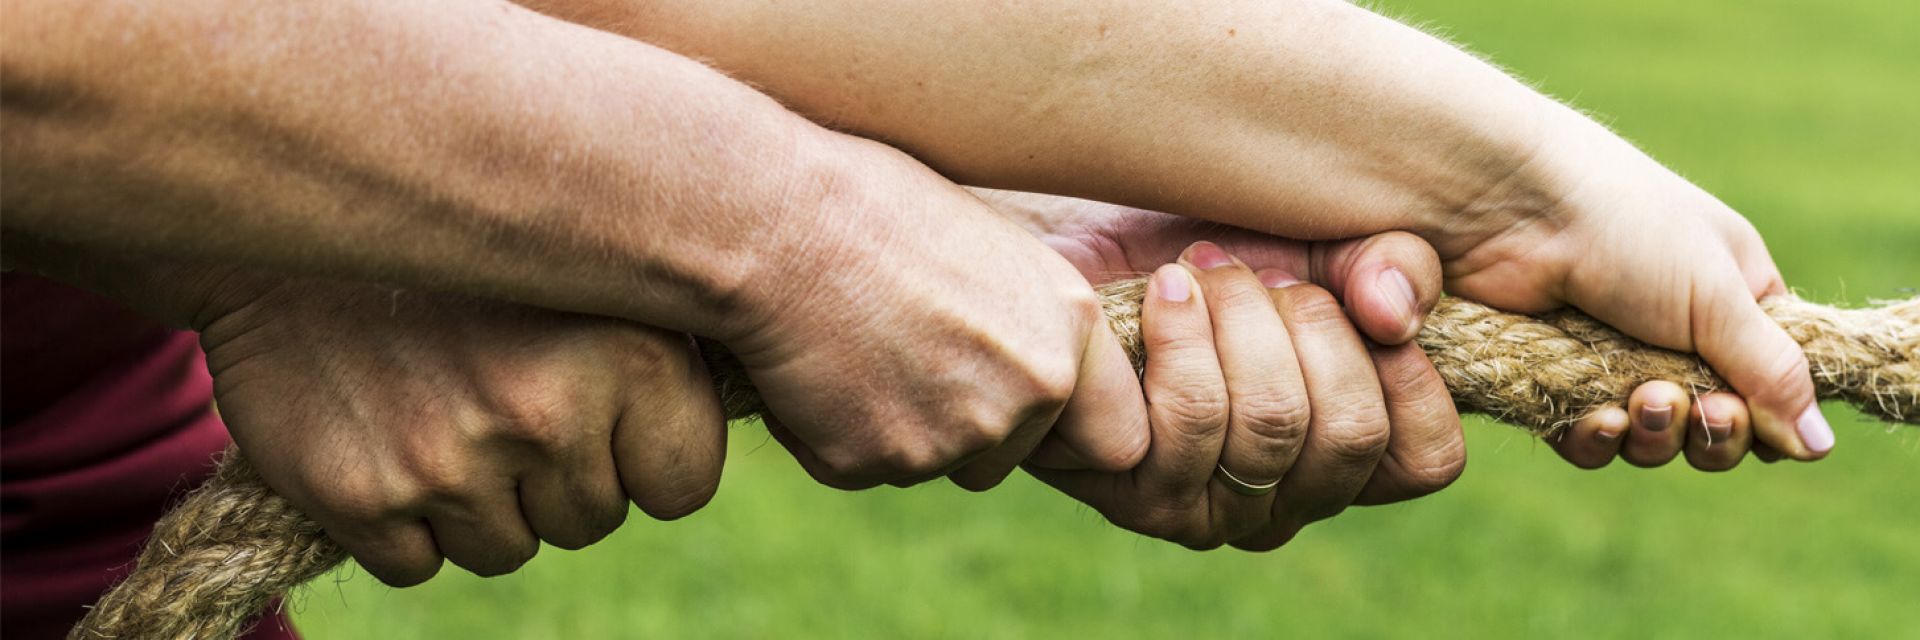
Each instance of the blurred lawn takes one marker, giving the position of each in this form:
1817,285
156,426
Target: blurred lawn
1800,114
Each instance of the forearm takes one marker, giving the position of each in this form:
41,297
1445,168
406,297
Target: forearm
449,144
1314,118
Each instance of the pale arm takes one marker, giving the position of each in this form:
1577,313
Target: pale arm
1308,118
1315,118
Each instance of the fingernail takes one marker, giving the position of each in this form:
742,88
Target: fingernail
1718,425
1814,430
1719,434
1276,279
1206,255
1175,284
1606,435
1394,286
1656,417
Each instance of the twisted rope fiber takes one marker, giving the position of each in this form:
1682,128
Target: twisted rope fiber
233,545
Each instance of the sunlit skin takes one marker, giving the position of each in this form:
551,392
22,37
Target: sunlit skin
1311,119
900,328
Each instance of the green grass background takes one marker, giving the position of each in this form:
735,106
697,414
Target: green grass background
1800,114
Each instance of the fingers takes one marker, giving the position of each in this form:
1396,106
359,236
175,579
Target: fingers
1267,408
670,443
484,532
1764,365
1388,282
1426,450
1187,399
1719,432
987,470
1593,441
400,553
575,503
1104,422
663,450
471,500
1658,406
1348,429
1657,411
1750,252
1662,420
1165,496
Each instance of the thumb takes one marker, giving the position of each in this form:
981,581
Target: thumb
1104,424
1387,282
1765,365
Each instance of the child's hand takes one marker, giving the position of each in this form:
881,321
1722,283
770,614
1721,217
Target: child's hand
1108,242
1661,421
1594,223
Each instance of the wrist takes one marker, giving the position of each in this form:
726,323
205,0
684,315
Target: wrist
818,230
1532,177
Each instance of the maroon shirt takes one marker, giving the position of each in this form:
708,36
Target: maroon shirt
106,418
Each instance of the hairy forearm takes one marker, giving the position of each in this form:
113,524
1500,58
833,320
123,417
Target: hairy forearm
1313,118
461,145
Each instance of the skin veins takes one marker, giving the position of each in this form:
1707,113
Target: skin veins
343,140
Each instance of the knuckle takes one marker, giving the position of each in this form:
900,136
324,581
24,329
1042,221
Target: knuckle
887,458
1049,383
1182,346
353,497
1407,375
1277,418
1311,308
1084,305
1362,443
437,471
910,457
1435,458
1788,375
982,433
842,471
1431,469
1195,406
532,413
1359,436
1237,293
651,355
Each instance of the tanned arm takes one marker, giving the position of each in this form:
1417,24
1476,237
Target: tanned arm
475,146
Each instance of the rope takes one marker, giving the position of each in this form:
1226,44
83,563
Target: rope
233,544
